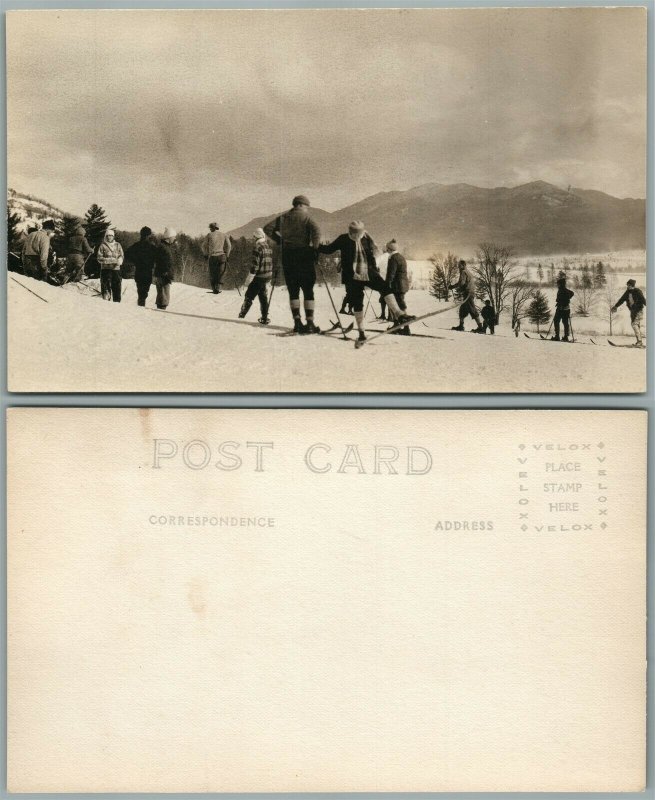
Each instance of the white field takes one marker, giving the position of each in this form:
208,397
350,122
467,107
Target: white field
76,342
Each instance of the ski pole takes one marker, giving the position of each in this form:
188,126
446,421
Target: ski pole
320,269
370,294
225,272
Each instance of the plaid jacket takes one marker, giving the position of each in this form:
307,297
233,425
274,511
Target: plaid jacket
262,260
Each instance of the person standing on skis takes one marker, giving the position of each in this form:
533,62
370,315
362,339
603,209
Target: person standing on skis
110,257
359,270
164,270
465,287
261,271
636,302
216,248
299,237
143,255
79,250
398,279
489,316
562,309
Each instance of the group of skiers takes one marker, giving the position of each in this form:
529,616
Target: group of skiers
298,237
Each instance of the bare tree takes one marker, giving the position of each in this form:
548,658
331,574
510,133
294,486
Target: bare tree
495,273
444,274
586,294
609,296
520,295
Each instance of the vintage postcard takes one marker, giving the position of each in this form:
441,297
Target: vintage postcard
325,601
278,200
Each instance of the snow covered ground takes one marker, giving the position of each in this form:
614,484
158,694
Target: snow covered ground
76,342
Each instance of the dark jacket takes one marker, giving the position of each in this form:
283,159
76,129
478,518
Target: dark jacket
143,255
346,247
164,269
294,230
397,276
635,300
488,313
563,299
78,245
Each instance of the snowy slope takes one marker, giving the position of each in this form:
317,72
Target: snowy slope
77,342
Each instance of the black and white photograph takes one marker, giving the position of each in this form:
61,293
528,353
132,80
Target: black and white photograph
279,200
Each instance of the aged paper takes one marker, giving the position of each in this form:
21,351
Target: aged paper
209,172
274,601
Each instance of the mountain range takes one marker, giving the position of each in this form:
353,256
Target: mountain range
533,218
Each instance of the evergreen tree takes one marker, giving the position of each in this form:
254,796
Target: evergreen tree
600,279
13,242
96,224
538,310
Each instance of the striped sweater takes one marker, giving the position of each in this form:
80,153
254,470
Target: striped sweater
262,260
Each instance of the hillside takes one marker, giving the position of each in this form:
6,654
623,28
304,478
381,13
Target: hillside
533,218
29,208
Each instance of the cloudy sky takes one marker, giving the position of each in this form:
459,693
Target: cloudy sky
182,117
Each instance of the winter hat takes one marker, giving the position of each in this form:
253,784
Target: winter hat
109,232
259,234
462,264
145,232
213,226
392,245
631,282
356,226
48,225
300,200
169,234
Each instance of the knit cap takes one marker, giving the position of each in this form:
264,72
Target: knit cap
356,226
300,199
392,245
259,234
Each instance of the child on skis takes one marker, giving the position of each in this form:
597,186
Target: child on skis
261,271
489,317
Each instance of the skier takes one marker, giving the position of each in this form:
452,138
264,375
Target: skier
36,251
298,236
79,250
517,327
562,308
110,257
216,249
489,317
164,268
261,271
143,255
359,269
466,289
397,279
636,302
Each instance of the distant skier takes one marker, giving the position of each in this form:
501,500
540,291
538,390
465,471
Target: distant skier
517,327
359,269
164,270
562,309
489,317
110,257
143,255
398,279
261,271
636,302
465,287
36,251
298,236
79,250
216,248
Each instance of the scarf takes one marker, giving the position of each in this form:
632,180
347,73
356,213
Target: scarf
360,262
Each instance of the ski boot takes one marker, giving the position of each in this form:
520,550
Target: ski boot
263,320
405,318
361,336
566,339
404,332
638,344
245,307
459,327
311,328
479,329
298,327
555,339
